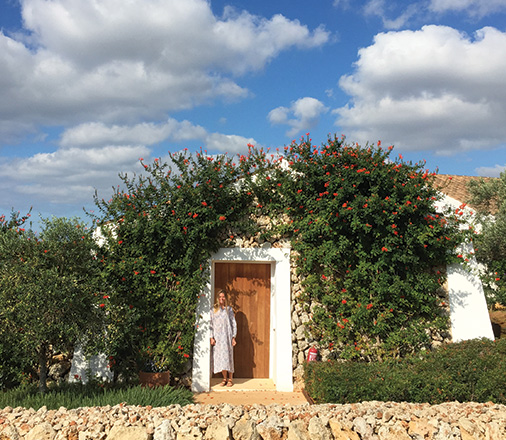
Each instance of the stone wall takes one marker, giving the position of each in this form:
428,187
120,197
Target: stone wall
361,421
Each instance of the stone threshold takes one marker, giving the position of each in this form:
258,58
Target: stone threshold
241,384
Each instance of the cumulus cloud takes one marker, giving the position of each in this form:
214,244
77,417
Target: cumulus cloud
92,155
119,62
302,115
435,88
46,175
97,133
494,171
381,9
475,8
228,143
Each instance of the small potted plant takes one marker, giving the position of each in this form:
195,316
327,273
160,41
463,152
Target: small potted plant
154,371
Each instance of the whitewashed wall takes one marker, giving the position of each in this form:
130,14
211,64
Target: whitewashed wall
468,307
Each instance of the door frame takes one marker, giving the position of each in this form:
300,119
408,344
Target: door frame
280,357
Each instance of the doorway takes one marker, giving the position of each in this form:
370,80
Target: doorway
248,287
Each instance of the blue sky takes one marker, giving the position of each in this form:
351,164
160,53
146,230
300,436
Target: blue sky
89,87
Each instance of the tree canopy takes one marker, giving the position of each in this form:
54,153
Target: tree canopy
48,296
490,198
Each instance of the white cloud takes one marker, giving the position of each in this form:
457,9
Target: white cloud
120,62
228,143
475,8
435,88
306,113
381,9
494,171
97,133
46,175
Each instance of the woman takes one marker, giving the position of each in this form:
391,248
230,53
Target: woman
223,333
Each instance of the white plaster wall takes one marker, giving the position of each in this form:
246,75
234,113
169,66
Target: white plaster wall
96,365
468,308
280,363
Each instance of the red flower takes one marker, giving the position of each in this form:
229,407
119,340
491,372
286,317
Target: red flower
121,241
343,301
106,297
204,204
369,306
153,271
102,305
222,217
384,249
186,355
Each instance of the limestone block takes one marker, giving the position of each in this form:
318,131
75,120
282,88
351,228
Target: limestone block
300,358
302,344
189,433
217,431
396,432
9,433
127,433
300,332
245,429
297,430
421,429
341,432
269,431
164,431
317,429
44,431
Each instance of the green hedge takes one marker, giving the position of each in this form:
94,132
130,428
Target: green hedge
468,371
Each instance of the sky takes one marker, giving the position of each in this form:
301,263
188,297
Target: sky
88,87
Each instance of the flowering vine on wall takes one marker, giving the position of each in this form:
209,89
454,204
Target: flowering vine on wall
364,228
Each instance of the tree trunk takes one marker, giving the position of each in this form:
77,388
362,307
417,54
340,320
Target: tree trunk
43,367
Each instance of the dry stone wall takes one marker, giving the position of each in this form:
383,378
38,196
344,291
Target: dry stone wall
361,421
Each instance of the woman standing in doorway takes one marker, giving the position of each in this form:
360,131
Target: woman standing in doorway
223,333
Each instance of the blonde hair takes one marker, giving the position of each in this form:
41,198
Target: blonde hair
217,299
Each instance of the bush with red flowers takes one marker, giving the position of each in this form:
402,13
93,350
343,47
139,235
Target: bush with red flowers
369,244
366,235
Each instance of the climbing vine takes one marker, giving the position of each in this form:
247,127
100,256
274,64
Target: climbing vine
369,244
368,241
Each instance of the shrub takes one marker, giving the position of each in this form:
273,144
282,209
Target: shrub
366,235
368,241
466,371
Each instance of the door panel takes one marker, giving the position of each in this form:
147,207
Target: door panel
248,287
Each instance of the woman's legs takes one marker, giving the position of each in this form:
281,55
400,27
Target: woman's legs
224,382
230,382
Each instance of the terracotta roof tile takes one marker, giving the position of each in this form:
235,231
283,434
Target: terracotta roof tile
456,186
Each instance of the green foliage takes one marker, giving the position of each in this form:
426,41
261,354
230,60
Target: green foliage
47,296
490,197
160,233
467,371
94,394
367,237
368,240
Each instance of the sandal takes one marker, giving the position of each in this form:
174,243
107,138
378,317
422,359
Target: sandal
230,383
224,382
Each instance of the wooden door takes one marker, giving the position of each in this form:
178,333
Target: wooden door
248,288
